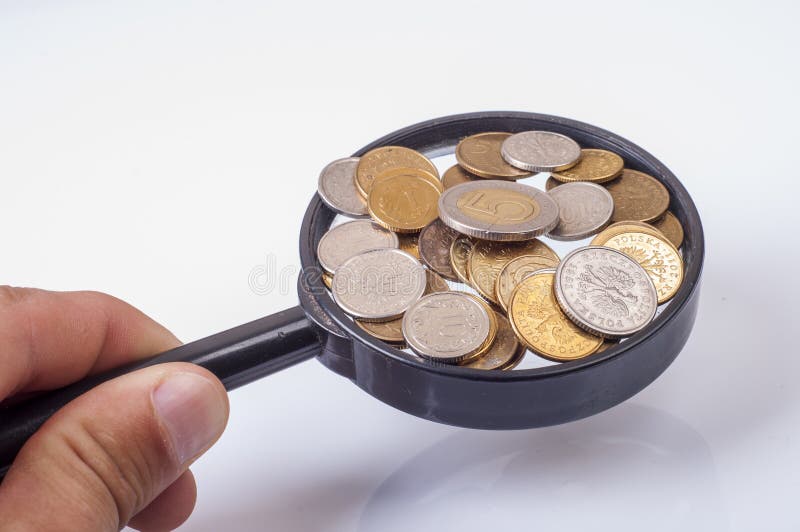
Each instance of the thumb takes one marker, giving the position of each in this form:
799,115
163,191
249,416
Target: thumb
109,453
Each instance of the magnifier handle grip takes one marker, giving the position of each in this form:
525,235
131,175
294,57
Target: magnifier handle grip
236,356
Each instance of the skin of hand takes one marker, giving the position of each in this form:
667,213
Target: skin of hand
120,454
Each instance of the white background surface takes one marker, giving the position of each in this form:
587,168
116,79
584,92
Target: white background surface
162,150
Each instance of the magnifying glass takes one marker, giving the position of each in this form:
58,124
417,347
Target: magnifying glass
454,395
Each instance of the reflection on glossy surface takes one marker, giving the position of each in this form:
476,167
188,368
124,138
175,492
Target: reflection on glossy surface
575,475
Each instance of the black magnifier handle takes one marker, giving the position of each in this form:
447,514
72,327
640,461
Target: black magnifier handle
236,356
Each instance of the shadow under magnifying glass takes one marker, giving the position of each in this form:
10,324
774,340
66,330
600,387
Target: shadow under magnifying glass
630,468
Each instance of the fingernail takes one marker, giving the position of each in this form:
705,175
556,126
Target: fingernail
192,411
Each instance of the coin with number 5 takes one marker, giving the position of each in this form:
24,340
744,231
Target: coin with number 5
498,210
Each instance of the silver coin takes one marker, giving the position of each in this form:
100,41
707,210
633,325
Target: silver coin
583,210
378,285
605,292
337,188
447,326
540,151
498,210
350,239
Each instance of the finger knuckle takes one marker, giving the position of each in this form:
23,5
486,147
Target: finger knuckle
124,472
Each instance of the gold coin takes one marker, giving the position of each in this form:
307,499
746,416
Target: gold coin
637,196
657,256
409,242
455,175
327,279
480,155
671,227
488,258
459,257
597,166
435,283
434,248
551,183
387,331
431,178
540,323
493,327
392,331
404,201
506,351
385,158
628,226
515,271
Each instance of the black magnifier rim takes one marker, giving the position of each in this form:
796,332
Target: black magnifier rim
635,158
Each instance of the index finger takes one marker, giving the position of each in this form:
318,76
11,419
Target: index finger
51,339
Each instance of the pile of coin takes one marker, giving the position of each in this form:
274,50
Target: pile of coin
415,237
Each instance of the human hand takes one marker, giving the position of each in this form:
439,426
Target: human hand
119,454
